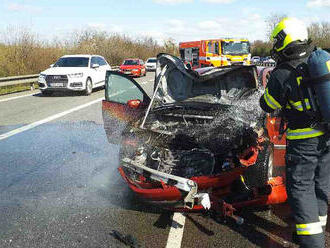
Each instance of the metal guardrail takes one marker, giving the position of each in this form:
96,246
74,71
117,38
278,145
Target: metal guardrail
28,79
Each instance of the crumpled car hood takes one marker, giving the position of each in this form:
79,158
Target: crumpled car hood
176,83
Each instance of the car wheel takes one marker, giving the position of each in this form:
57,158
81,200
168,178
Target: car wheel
47,93
257,175
89,87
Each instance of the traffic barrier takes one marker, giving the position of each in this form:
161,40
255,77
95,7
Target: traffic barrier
27,80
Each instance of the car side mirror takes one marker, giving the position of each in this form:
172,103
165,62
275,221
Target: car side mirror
52,65
95,66
134,104
188,67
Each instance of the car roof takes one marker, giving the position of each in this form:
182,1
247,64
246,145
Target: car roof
81,55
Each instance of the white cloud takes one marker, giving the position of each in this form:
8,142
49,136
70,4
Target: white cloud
23,8
318,3
249,26
172,1
112,28
218,1
98,26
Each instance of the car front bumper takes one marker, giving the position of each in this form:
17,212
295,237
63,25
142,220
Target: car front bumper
68,84
131,73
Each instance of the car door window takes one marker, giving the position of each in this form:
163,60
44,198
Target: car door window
120,89
94,61
101,61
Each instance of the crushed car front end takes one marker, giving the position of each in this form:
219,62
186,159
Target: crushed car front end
200,139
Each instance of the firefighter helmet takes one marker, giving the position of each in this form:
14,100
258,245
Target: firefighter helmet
287,31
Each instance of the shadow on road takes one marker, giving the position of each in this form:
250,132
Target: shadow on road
67,93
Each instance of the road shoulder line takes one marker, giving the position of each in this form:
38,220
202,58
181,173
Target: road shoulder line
16,97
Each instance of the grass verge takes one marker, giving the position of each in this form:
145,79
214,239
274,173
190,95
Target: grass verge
16,88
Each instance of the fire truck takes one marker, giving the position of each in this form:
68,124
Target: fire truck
217,52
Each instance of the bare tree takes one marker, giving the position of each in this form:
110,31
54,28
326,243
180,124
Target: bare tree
320,34
272,21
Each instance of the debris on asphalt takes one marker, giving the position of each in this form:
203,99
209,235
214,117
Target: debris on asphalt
128,240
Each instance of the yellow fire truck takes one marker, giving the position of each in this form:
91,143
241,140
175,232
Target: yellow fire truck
217,52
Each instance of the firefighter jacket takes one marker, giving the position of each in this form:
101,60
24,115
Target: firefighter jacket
282,92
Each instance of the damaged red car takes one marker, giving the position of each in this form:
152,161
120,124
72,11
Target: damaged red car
199,141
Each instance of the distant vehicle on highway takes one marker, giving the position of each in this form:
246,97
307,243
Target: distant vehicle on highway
74,73
268,59
133,67
255,59
151,64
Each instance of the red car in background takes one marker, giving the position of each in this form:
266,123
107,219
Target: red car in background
133,67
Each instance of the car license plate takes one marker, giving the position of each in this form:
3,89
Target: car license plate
127,72
56,84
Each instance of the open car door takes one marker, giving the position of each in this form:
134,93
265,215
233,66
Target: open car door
125,101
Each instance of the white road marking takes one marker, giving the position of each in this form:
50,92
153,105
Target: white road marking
48,119
16,97
176,232
51,118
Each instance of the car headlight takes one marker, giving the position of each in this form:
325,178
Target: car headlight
76,75
42,76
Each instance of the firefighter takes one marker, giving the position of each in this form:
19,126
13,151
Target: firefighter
307,154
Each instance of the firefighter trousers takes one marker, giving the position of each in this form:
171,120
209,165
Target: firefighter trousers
307,183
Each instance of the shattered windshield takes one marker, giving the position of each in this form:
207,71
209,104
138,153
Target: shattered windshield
235,48
218,86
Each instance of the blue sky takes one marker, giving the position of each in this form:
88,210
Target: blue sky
181,20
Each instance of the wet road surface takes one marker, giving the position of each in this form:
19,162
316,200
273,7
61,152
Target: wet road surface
59,187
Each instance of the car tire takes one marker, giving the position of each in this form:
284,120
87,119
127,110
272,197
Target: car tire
257,175
47,93
89,87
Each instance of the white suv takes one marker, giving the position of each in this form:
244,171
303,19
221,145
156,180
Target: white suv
151,64
74,73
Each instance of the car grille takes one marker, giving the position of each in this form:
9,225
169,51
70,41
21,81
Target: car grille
126,69
60,80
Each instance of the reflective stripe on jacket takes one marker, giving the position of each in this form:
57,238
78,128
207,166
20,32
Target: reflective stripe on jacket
309,229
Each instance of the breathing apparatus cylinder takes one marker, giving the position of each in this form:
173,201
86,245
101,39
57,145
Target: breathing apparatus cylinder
319,71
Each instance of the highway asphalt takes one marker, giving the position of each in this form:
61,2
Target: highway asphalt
59,186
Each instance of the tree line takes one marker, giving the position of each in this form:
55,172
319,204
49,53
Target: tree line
22,52
319,33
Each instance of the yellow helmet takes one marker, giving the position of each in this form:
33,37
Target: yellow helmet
287,31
